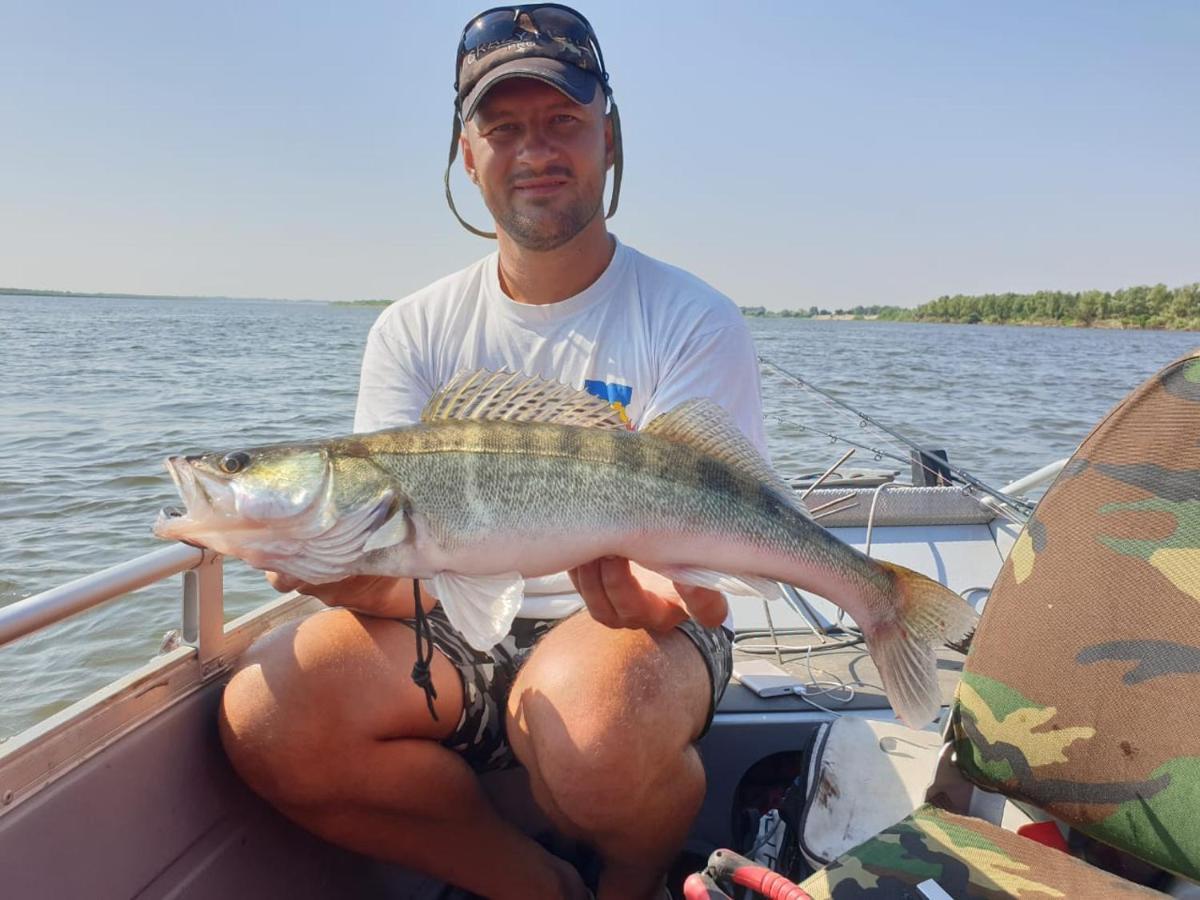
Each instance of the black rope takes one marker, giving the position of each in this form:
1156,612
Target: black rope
420,672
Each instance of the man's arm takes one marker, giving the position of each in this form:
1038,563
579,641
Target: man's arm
375,595
622,594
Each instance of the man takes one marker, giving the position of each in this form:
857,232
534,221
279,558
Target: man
601,706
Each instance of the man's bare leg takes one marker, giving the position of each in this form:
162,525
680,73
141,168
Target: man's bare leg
604,720
324,722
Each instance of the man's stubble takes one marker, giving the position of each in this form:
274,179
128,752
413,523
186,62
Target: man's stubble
549,230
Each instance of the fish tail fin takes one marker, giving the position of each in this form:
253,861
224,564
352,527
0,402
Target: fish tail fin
904,649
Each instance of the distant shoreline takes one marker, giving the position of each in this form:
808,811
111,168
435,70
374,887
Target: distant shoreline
27,292
1141,308
30,292
1101,325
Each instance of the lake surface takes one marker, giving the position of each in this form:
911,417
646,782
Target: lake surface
94,393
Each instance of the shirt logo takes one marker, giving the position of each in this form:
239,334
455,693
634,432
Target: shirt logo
616,395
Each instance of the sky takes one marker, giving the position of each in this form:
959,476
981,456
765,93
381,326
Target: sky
790,153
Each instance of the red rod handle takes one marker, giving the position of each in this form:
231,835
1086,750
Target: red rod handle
739,870
770,884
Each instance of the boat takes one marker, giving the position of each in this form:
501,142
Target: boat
127,792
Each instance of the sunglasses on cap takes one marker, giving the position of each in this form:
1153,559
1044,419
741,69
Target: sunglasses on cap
551,22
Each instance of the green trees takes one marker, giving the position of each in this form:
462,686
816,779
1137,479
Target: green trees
1142,306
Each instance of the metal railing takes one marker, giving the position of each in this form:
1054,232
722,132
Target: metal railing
203,596
1035,479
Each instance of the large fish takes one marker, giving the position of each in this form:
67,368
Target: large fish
508,477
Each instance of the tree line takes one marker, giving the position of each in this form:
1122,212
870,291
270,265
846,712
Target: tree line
1144,306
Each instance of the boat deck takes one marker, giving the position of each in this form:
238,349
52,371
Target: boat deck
818,673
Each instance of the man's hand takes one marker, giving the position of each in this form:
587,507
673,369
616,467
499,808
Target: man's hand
377,595
622,595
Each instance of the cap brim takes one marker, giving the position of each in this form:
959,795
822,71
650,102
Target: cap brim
573,81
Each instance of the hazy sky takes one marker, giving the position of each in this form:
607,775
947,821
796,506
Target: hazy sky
791,153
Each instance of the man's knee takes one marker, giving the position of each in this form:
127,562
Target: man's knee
602,777
605,744
270,737
311,696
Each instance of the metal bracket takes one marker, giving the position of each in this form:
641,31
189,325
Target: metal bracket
204,607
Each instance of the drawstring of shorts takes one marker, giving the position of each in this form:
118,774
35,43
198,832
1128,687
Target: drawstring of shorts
420,671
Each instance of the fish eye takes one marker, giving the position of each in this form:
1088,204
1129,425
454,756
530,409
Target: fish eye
232,463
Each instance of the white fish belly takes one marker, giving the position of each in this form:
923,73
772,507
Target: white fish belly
531,555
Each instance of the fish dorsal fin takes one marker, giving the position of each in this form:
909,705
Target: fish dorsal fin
509,396
705,426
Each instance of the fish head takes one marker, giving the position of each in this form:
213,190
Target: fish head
300,509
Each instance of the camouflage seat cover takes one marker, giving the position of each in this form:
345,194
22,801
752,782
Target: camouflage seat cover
1081,694
968,858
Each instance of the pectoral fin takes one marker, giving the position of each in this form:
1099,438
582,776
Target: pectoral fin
393,531
738,585
480,607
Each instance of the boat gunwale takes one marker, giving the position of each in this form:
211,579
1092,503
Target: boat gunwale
49,750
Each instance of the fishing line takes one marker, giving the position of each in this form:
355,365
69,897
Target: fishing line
837,438
1022,506
1018,517
866,420
877,453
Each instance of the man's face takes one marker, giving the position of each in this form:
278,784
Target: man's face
540,160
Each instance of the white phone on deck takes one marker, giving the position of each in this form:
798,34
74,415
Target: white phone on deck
764,678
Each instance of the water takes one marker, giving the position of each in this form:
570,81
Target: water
95,392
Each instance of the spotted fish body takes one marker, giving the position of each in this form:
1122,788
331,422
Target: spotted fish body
509,478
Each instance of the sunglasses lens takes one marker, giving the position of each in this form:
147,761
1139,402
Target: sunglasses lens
501,24
488,29
560,23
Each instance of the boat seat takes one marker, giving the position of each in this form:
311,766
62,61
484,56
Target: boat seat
1081,693
970,859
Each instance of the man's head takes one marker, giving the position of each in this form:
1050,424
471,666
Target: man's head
531,90
539,158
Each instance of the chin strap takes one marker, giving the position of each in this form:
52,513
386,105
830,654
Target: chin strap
618,158
420,672
455,132
618,168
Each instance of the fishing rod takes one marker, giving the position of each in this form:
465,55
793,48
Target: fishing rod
963,476
1014,513
875,452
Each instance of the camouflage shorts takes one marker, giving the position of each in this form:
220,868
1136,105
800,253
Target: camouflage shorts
488,677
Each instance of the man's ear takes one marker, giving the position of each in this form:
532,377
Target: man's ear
468,158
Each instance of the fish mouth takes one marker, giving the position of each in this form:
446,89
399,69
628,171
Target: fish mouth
204,497
315,541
